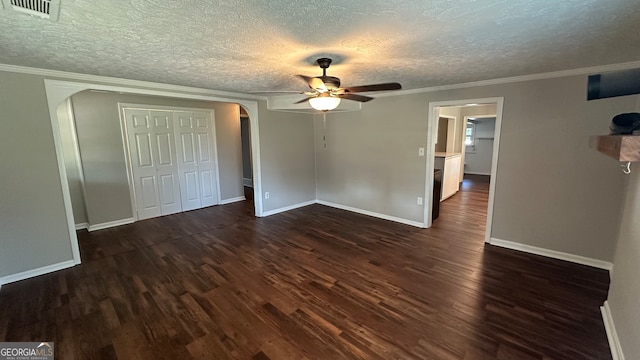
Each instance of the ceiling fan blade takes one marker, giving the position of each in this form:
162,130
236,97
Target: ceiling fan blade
373,87
354,97
303,100
314,83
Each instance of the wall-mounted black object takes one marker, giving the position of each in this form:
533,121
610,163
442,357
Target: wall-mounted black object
624,124
614,83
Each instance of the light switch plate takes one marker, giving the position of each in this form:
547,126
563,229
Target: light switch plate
421,151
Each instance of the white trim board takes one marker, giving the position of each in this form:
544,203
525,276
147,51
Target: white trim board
232,200
82,226
287,208
123,81
612,334
371,213
111,224
600,264
36,272
138,83
57,91
433,115
513,79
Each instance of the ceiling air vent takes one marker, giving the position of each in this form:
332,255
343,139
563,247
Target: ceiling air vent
46,9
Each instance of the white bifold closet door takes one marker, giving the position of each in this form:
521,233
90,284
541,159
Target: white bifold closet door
153,160
196,165
172,160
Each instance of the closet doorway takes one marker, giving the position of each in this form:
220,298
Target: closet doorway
171,159
247,162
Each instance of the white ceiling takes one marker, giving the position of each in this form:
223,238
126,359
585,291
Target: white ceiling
244,45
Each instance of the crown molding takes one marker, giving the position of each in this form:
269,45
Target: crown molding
188,89
125,82
521,78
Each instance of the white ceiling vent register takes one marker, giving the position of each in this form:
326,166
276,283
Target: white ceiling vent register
46,9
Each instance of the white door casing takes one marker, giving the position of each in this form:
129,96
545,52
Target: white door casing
57,91
430,158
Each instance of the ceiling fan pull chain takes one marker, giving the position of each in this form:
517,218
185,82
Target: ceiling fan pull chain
324,131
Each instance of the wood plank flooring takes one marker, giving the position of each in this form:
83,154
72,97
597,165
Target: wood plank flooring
312,283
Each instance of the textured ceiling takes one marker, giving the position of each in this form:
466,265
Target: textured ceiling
244,45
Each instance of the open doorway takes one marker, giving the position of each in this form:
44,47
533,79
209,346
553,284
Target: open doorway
58,92
462,156
247,164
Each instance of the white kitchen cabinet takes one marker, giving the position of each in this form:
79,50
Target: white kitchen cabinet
449,163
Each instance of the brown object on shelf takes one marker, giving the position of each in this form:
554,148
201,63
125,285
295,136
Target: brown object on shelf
619,147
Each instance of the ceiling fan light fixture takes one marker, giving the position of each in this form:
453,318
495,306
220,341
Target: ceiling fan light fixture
324,103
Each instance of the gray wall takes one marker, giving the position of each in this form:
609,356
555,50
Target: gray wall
32,213
245,138
288,165
33,222
478,156
441,145
552,190
103,157
624,292
371,160
454,112
487,109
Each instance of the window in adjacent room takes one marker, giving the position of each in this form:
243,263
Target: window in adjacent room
470,134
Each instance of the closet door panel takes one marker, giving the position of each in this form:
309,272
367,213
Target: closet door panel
204,134
187,164
140,135
166,163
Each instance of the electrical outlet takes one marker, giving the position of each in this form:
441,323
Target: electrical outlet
420,151
419,201
266,195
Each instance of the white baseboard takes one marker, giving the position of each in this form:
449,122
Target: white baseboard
612,334
287,208
36,272
111,224
553,254
371,213
82,226
232,200
247,182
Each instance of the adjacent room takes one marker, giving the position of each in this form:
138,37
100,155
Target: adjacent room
322,180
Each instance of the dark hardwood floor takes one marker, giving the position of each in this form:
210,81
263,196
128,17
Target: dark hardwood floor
312,283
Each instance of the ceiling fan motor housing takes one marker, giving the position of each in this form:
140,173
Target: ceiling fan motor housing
331,82
324,62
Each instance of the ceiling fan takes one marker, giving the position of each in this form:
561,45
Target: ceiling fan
326,92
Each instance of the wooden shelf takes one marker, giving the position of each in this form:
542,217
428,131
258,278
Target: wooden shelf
619,147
